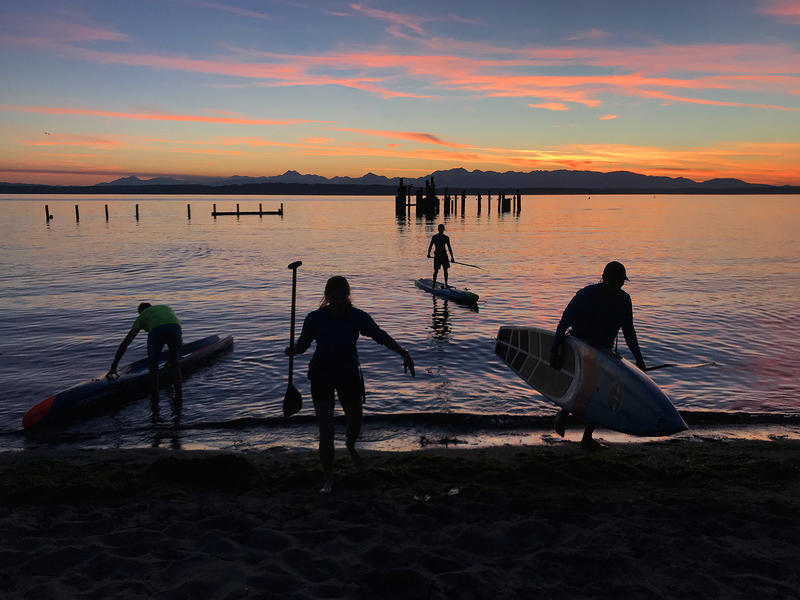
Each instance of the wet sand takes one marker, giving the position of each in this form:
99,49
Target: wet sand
677,519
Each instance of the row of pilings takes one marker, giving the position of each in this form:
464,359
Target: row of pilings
426,203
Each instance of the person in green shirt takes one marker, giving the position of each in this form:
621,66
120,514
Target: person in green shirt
163,328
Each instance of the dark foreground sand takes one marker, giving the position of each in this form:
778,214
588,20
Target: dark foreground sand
668,520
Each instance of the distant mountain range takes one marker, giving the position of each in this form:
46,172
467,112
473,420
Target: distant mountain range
457,180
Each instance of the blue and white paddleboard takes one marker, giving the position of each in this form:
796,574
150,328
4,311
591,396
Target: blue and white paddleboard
449,292
594,384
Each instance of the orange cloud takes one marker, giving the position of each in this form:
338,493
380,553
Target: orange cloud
55,110
56,139
654,94
607,117
551,106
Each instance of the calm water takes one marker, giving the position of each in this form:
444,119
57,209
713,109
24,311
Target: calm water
713,278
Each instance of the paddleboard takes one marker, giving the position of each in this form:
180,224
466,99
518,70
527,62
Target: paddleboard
595,384
102,395
449,292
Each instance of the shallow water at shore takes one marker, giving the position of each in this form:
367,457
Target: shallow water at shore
713,278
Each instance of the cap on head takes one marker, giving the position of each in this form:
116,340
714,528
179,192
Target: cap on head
441,228
144,306
615,271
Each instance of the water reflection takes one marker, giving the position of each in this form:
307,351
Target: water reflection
441,318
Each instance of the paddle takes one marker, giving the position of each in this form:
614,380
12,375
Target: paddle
679,366
292,401
455,262
467,265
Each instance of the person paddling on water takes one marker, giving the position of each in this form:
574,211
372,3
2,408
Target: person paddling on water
442,244
596,314
162,327
335,326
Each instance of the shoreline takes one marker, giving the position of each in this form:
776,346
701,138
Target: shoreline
667,519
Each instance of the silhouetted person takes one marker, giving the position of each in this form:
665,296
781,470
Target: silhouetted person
162,327
596,314
441,243
335,326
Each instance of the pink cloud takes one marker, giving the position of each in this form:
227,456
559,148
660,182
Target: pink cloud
591,34
607,117
18,28
551,106
425,138
787,11
53,110
411,22
228,8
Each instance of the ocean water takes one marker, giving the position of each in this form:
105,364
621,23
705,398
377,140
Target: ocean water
712,278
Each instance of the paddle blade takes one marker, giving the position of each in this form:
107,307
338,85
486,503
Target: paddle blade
292,401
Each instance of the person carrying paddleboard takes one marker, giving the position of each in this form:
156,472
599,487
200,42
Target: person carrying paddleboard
334,368
441,243
163,328
596,314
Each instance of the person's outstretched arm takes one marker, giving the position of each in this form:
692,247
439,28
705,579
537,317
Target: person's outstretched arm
449,247
369,328
429,248
120,351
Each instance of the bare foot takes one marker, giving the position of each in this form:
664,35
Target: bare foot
591,444
326,487
354,455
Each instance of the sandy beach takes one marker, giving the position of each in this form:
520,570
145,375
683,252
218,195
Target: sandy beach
714,519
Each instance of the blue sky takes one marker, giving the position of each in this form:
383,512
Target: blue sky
97,90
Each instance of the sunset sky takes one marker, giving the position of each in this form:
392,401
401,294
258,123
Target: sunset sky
94,90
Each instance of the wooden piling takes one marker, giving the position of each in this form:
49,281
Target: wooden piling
214,211
47,215
237,209
77,214
137,212
189,211
479,204
281,213
106,213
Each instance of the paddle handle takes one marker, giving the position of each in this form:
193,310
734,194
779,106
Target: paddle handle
293,267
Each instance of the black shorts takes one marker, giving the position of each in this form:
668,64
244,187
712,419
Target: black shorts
169,334
440,261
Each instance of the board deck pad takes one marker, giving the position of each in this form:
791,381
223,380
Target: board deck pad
593,383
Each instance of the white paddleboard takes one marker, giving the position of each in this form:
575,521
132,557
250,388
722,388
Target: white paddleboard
595,384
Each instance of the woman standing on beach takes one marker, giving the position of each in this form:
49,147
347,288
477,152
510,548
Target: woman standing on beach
335,326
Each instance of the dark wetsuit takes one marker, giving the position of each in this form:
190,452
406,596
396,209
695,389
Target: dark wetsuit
596,316
335,368
441,243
